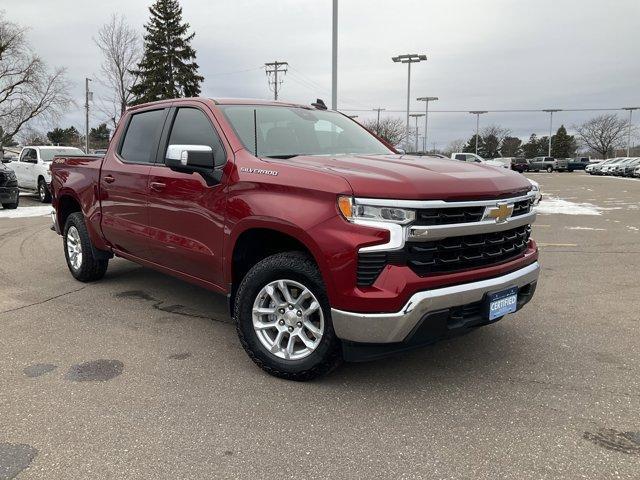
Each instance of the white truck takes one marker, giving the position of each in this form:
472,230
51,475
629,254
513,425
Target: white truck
32,168
473,158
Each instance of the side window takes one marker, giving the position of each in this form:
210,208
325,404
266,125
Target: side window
192,127
29,156
140,139
461,157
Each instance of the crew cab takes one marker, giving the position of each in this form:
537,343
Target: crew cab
542,163
32,168
327,242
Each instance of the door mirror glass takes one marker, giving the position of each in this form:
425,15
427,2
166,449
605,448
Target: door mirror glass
189,157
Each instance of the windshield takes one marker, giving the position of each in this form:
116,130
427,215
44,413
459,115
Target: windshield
285,132
47,154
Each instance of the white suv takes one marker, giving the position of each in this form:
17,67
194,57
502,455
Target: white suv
32,168
473,158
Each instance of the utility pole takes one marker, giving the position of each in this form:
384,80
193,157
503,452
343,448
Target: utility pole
273,68
550,112
87,96
378,121
630,109
334,57
417,116
409,58
426,117
477,113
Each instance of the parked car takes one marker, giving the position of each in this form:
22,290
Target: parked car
473,158
542,163
519,164
9,194
596,169
626,168
578,163
328,243
32,168
610,168
636,172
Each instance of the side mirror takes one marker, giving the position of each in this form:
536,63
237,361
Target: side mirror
401,151
183,157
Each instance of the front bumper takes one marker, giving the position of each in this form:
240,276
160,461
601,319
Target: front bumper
398,327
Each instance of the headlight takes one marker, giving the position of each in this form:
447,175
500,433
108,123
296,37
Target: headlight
352,211
535,186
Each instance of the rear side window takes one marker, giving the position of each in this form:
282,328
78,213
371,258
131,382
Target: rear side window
461,157
141,138
192,127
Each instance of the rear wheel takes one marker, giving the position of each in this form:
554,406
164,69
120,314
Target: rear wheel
43,191
549,169
79,252
283,318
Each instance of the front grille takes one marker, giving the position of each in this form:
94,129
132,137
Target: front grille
448,216
447,255
522,208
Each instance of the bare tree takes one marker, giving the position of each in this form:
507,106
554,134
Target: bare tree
120,47
28,89
496,130
455,146
390,129
603,133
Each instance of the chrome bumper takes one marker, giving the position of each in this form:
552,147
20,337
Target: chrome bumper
396,326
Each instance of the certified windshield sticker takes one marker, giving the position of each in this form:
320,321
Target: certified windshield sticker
259,171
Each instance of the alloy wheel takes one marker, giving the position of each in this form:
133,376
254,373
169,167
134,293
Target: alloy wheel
74,248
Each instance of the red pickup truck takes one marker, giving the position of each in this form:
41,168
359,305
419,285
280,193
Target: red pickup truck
328,243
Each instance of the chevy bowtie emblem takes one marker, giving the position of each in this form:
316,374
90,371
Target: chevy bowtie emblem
500,212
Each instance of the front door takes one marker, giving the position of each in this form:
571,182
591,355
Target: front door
124,184
186,213
25,168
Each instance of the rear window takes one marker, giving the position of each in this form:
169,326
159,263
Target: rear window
141,138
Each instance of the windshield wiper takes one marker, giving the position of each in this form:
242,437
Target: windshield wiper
284,157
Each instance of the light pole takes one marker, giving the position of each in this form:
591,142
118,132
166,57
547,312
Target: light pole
378,121
550,112
630,109
334,57
88,95
409,58
417,116
426,100
477,113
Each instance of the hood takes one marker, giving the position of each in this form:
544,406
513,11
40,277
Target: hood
416,178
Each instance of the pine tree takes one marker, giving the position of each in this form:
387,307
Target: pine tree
511,147
563,145
470,147
530,149
168,68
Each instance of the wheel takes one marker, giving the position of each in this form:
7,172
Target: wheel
549,169
43,191
12,206
79,252
283,318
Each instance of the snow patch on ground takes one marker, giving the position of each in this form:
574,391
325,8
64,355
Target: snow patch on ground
550,205
587,228
633,229
25,212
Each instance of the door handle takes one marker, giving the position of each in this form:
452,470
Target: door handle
157,186
109,179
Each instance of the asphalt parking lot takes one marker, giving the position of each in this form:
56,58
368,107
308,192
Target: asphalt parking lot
142,376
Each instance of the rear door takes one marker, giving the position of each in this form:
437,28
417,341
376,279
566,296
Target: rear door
186,214
124,183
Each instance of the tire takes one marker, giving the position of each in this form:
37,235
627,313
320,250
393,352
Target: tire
76,239
293,269
43,191
12,206
549,169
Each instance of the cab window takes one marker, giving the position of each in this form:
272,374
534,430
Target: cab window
192,127
141,138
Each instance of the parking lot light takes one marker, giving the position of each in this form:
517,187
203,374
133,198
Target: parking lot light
630,109
408,58
477,113
426,100
550,111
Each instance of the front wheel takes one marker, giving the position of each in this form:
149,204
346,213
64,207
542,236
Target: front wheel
283,318
11,206
81,259
43,191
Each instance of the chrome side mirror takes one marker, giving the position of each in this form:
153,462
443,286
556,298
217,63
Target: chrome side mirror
185,156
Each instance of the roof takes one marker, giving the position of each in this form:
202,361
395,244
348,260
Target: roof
222,101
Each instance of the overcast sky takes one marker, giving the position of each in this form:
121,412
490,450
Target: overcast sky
488,55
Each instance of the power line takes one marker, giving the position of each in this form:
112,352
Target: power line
272,69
